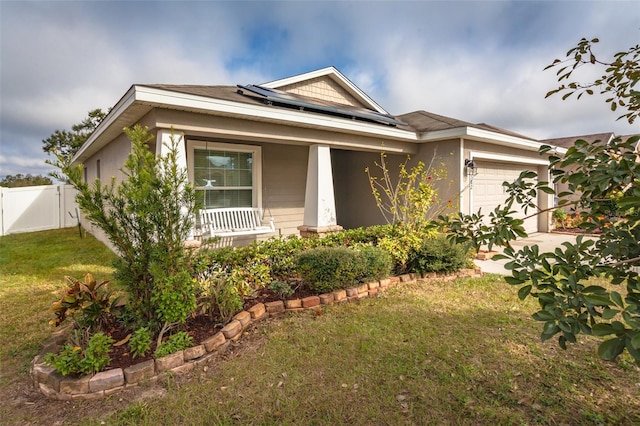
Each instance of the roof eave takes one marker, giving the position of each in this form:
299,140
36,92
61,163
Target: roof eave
265,112
486,136
123,104
153,97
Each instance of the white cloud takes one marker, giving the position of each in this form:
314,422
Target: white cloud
476,61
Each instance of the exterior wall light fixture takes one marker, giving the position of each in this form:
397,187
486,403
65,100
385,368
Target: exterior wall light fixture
470,167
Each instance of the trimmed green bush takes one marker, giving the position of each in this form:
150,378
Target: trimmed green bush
438,254
378,263
338,260
325,269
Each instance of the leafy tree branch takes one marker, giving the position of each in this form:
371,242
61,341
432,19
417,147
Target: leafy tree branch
618,82
591,286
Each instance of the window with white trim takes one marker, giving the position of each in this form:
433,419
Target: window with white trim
225,175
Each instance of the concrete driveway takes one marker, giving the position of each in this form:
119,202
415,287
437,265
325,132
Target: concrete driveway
545,241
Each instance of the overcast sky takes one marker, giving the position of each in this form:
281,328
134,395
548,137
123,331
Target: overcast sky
479,61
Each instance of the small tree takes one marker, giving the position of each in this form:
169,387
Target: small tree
606,176
66,143
409,202
146,217
411,198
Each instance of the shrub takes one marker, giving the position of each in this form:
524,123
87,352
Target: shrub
280,253
74,360
140,342
96,357
326,269
411,198
560,217
281,288
173,294
275,258
89,304
400,241
218,297
68,361
146,217
176,342
250,276
378,263
350,237
438,254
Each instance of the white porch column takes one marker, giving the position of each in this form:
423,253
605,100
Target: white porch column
319,201
163,145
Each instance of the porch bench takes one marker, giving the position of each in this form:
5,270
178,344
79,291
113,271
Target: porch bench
233,222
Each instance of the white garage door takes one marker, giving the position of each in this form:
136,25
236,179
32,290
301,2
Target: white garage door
487,191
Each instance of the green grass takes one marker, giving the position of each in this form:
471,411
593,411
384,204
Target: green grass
447,353
32,270
442,353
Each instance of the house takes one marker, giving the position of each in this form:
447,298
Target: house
298,148
566,143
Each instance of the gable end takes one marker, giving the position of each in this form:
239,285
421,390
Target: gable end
323,88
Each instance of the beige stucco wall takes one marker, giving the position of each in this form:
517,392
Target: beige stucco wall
444,157
284,174
112,158
355,203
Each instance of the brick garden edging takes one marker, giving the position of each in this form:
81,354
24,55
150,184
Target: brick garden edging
56,386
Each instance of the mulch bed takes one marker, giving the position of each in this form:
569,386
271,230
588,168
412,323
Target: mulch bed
199,327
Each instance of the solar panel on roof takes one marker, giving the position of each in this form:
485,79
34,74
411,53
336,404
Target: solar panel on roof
274,96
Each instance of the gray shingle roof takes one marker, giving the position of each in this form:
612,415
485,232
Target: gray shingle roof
417,121
567,142
227,93
423,121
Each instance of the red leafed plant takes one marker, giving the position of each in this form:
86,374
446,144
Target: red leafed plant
89,304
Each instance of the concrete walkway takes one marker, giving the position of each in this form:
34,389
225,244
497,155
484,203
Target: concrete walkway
545,241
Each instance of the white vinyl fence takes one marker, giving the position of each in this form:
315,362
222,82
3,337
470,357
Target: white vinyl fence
37,208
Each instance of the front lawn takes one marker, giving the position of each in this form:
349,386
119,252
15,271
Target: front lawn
32,270
446,353
464,352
